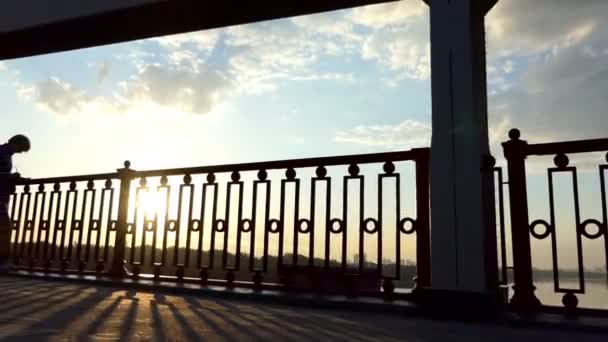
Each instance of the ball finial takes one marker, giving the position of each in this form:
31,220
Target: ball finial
127,164
561,161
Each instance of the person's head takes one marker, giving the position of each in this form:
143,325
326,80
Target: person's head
20,143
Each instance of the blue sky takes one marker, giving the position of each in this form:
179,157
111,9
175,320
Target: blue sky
345,82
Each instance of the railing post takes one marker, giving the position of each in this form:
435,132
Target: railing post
524,300
117,268
423,237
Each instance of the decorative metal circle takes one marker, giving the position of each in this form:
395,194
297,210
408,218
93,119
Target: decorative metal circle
164,180
108,183
143,182
187,179
60,225
366,224
246,225
95,225
26,188
262,175
321,172
537,235
15,225
601,229
41,188
514,134
389,167
561,160
290,173
113,225
274,226
220,226
353,169
304,226
130,228
171,225
44,225
90,185
29,224
57,186
195,225
72,186
403,225
235,176
149,226
211,178
333,228
77,225
127,164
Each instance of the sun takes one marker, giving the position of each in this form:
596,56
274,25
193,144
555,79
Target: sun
151,203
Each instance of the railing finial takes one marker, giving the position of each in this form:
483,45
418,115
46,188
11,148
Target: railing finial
514,134
127,164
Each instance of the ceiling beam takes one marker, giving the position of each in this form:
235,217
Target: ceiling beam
156,19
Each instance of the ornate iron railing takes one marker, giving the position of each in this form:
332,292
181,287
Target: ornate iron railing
522,227
215,224
57,220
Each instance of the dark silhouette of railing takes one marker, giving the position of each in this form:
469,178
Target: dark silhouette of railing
516,151
97,224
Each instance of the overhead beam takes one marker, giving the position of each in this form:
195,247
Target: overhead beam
153,19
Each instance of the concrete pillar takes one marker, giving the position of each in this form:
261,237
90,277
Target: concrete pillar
463,231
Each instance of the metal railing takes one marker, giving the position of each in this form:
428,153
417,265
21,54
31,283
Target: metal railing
216,225
523,227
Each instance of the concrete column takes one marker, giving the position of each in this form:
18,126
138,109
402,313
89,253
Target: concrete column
463,231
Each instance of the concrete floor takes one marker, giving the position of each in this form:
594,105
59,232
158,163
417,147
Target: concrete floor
36,310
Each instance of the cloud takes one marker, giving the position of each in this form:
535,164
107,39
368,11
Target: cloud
167,86
191,92
555,88
328,25
2,66
402,50
399,38
201,41
396,13
54,95
405,135
529,27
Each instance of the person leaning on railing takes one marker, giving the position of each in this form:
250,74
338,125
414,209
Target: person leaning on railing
17,144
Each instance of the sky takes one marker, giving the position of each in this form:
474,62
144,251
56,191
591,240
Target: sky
345,82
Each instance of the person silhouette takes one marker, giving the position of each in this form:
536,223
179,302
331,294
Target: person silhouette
17,144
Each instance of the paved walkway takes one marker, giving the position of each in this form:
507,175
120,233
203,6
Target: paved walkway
35,310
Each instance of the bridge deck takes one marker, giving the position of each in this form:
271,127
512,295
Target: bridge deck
35,310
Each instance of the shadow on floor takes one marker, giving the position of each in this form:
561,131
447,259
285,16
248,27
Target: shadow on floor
34,310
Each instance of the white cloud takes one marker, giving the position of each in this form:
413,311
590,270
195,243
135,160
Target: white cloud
2,66
530,27
405,135
202,40
395,13
557,89
405,51
55,95
332,25
191,92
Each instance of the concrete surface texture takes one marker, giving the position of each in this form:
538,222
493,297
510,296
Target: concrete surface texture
36,310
